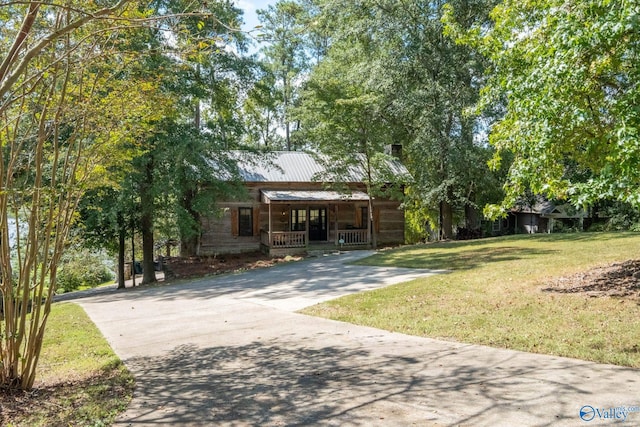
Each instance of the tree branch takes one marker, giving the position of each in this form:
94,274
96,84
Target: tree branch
8,79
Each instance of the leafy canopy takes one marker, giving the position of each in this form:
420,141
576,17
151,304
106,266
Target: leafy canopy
567,73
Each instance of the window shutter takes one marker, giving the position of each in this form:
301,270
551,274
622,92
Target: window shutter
235,227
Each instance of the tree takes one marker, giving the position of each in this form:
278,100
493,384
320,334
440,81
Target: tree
103,223
67,119
180,153
567,73
172,180
193,170
343,121
49,152
261,113
285,54
421,84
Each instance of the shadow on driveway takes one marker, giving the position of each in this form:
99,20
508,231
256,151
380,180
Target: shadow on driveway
284,382
228,350
289,287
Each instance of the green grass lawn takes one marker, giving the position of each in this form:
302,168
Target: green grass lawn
80,380
493,296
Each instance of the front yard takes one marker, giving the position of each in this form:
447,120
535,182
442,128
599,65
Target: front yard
527,292
81,382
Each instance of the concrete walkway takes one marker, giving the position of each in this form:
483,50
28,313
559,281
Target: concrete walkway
231,351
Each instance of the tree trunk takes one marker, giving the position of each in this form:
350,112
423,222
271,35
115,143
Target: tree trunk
146,225
190,235
446,221
121,252
471,217
285,103
372,227
148,268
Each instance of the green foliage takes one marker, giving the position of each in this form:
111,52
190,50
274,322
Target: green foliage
193,171
419,224
566,73
173,180
390,76
617,216
82,269
285,59
262,114
82,84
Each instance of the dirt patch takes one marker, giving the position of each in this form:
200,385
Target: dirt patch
181,268
613,280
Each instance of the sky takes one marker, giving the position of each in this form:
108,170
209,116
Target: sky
250,18
250,7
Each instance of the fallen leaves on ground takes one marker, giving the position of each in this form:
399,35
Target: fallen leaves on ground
620,279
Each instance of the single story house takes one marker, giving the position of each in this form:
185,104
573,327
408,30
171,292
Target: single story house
539,216
290,210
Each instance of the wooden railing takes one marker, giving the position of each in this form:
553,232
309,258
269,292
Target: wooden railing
353,237
284,239
298,239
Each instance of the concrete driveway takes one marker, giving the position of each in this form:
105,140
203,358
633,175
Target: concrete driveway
230,350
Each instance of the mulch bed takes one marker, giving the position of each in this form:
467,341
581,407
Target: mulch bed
181,268
620,279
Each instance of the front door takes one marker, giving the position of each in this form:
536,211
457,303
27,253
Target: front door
317,224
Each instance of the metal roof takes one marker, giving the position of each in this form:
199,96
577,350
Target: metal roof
548,209
280,166
298,166
312,196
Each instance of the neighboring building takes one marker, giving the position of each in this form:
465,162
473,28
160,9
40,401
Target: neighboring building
543,216
289,210
539,216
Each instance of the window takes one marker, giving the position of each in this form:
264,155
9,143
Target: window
298,219
245,221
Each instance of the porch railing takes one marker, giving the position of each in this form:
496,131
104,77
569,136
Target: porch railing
298,239
284,239
353,237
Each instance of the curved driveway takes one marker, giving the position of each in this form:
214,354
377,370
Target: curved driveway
230,350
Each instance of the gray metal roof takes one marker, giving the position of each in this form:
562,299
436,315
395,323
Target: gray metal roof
312,196
297,166
548,209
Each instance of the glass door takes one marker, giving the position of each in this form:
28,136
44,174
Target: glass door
318,224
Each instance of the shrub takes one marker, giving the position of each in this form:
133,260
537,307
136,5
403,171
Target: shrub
82,269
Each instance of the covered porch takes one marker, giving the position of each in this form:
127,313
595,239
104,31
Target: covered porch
312,219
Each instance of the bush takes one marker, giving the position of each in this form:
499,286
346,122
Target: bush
82,269
597,227
68,280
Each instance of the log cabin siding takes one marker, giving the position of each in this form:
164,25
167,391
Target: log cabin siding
219,233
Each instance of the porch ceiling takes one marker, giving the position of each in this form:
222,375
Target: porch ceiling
269,196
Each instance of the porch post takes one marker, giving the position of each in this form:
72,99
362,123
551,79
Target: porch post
369,221
336,236
306,227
